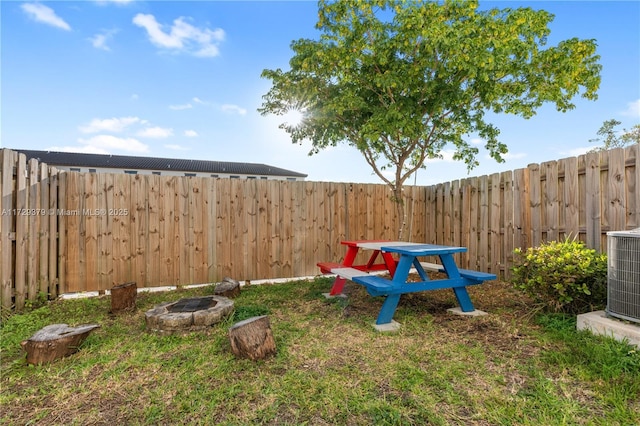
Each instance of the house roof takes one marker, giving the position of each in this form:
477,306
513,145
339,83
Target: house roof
74,159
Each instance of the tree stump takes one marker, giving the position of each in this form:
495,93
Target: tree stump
55,341
123,297
228,288
252,338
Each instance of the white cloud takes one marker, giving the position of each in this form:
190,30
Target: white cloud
177,147
190,133
512,155
155,132
233,109
135,97
99,41
180,107
200,101
477,141
109,124
633,109
46,15
109,142
181,36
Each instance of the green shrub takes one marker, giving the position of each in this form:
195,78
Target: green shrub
563,276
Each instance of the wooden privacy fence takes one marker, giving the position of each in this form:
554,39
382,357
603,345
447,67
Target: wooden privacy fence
28,234
71,232
579,197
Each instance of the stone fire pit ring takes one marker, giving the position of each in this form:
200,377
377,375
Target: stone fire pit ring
190,314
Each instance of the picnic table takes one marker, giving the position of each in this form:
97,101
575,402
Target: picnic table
347,270
399,270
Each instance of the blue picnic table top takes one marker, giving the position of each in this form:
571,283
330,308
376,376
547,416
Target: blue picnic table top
423,249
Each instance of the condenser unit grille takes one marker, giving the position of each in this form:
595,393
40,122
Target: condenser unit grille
623,287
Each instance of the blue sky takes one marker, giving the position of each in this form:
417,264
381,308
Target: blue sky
182,79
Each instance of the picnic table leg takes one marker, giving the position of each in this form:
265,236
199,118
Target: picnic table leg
388,309
463,299
372,259
349,258
390,262
337,286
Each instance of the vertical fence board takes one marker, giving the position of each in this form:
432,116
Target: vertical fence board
430,219
465,217
616,207
299,222
310,228
508,220
211,230
121,231
7,280
440,214
287,229
521,211
447,213
22,291
483,224
551,202
570,208
368,214
166,235
420,204
139,214
182,235
43,234
263,230
494,213
593,207
72,229
249,237
535,201
62,234
34,225
276,229
474,221
107,186
53,232
456,205
91,219
380,210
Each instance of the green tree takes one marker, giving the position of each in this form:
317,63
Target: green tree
401,80
612,138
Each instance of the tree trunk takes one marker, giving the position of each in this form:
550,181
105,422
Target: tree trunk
55,341
228,288
398,199
123,297
252,338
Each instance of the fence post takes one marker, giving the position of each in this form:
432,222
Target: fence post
7,160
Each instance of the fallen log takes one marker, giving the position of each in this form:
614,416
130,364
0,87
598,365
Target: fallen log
55,341
228,288
252,338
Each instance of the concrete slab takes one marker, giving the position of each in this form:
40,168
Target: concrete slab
391,326
474,313
599,323
329,296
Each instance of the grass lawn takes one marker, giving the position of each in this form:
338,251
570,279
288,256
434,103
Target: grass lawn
508,368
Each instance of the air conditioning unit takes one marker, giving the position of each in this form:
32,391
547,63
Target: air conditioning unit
623,275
